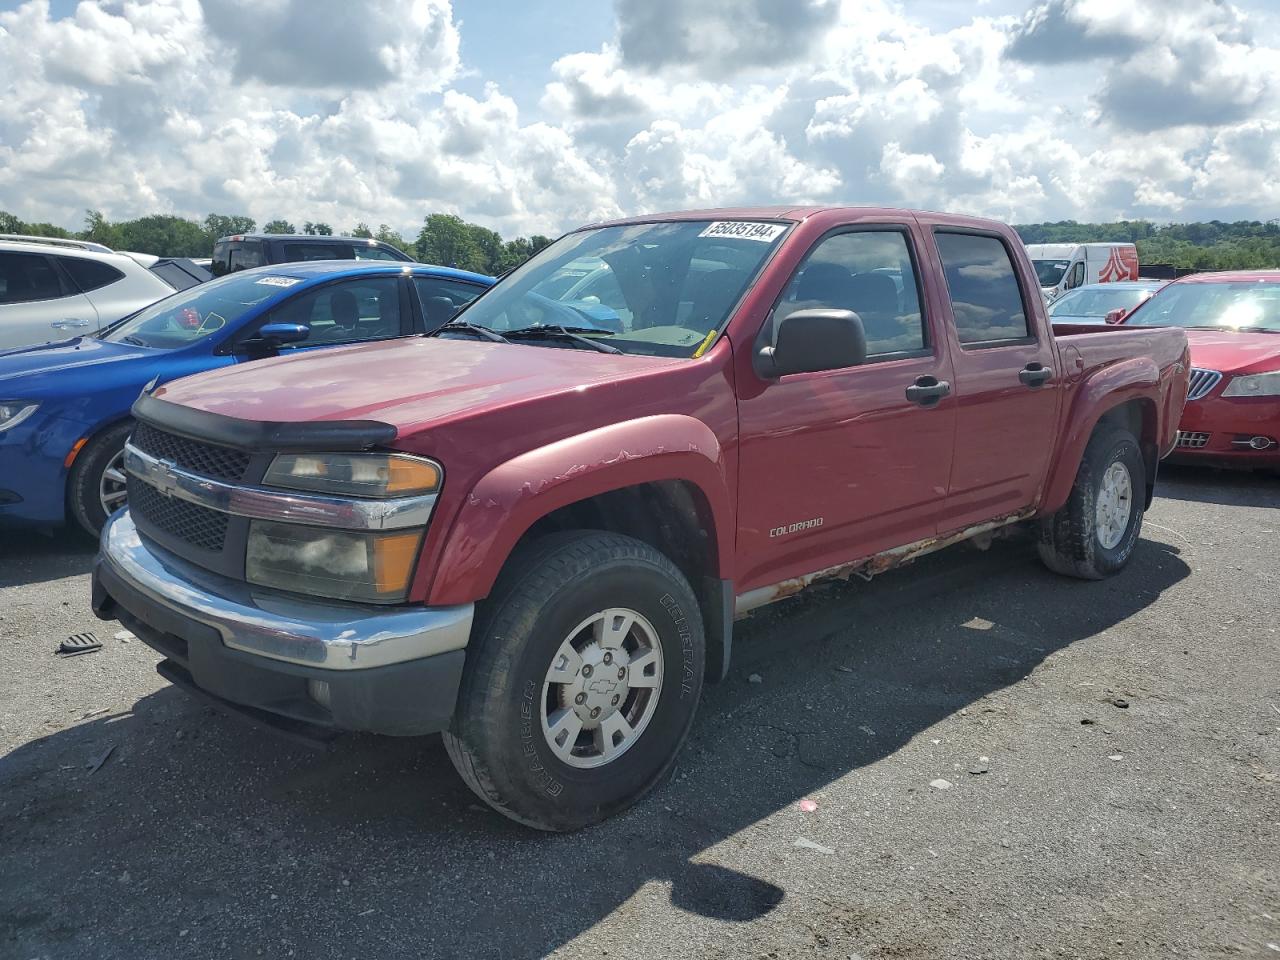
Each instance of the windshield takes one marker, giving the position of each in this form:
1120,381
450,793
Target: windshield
196,313
1050,271
1098,303
1231,305
660,289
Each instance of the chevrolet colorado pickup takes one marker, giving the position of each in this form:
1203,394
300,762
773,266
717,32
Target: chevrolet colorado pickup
534,530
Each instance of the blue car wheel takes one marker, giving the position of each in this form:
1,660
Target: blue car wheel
95,488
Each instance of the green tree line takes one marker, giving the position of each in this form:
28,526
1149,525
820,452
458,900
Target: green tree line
1211,245
444,239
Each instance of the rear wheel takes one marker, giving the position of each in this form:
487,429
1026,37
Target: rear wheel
581,682
1094,534
96,487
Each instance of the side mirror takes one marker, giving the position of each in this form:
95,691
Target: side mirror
812,340
273,335
1115,316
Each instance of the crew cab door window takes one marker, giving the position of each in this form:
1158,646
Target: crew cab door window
1005,427
839,464
441,299
870,273
350,311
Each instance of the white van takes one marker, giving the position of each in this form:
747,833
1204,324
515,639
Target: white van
1065,266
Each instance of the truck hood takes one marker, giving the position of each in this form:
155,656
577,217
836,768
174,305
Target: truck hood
64,355
1234,351
409,383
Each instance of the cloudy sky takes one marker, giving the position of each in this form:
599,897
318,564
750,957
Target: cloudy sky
533,117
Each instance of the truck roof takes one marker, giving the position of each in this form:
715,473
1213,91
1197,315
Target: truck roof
794,214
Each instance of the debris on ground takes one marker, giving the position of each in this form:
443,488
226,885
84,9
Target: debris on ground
843,669
125,636
1121,702
807,805
78,643
755,678
95,764
95,713
1116,756
867,730
1088,722
940,784
978,623
810,845
982,766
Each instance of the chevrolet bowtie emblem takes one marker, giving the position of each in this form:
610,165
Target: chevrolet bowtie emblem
164,479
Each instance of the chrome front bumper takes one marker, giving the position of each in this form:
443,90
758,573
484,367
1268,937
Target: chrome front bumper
292,630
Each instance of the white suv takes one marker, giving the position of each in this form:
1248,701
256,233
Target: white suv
51,289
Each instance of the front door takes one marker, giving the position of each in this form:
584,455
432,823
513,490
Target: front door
840,464
1007,404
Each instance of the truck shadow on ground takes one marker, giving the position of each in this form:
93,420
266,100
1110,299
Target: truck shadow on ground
30,556
203,833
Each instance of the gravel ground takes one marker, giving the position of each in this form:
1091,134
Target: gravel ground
1003,763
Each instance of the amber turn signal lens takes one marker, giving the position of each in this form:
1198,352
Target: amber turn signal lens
393,558
411,476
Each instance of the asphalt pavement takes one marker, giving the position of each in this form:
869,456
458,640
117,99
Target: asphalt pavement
967,758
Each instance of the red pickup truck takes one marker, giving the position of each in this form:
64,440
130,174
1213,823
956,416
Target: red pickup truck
533,530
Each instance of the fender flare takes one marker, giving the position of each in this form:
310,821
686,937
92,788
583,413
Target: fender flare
1137,378
504,503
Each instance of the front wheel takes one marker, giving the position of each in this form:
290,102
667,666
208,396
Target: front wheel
1094,534
581,682
96,486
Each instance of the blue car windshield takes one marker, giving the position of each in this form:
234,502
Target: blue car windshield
661,289
198,312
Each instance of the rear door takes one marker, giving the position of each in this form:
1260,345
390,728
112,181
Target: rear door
38,302
841,464
1005,384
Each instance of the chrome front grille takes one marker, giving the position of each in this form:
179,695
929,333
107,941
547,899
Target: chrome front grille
207,459
1192,439
193,524
1201,382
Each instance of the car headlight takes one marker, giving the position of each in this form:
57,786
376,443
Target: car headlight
13,412
1255,385
367,475
338,564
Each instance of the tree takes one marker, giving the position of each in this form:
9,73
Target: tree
97,229
317,229
362,230
217,226
447,240
164,236
387,235
279,226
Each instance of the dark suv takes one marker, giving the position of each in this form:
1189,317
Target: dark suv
244,251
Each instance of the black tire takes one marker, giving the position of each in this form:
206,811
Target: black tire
1069,540
496,740
84,484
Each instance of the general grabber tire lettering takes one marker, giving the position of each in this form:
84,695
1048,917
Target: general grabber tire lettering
98,472
1093,535
578,622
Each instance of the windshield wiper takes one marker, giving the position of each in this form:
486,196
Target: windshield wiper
133,340
461,326
568,333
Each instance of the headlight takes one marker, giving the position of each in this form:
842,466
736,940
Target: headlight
1256,385
373,475
13,412
339,564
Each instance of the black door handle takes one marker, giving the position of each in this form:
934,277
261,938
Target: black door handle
927,391
1035,374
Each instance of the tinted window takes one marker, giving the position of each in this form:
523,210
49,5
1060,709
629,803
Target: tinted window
373,253
985,298
27,276
441,298
346,312
870,273
90,274
220,263
245,256
297,252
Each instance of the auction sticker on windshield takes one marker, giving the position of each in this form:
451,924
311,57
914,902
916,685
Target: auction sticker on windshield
741,230
277,281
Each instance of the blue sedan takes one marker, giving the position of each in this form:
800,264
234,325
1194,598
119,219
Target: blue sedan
64,406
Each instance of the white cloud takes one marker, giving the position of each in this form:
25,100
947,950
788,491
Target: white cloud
339,112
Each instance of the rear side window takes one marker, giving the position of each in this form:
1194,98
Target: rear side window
298,252
374,253
26,277
90,274
985,297
221,262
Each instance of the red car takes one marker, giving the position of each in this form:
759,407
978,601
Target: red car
1232,416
